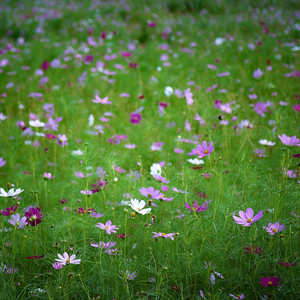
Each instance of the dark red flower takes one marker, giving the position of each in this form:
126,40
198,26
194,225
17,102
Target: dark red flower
254,249
9,210
287,264
35,257
33,216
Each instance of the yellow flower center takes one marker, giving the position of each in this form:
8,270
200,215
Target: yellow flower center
163,234
67,261
274,230
205,151
139,209
269,282
107,227
249,220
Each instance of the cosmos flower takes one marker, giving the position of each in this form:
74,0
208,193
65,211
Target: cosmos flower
246,218
138,206
266,143
238,296
11,192
65,259
168,91
9,210
36,123
151,192
102,101
17,221
2,162
155,170
33,216
57,266
196,161
127,275
197,208
203,150
48,176
108,227
257,73
289,141
274,228
268,281
163,235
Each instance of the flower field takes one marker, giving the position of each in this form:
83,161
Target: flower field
149,149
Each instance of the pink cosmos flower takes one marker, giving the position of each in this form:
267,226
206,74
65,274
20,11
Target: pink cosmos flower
151,192
17,221
62,139
274,228
289,141
290,173
65,259
108,227
202,150
246,218
48,176
188,95
268,281
57,266
161,179
257,73
2,162
163,235
102,101
297,107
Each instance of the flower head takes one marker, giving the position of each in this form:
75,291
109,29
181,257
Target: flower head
9,210
57,266
11,192
197,208
289,141
33,216
155,170
268,281
238,296
203,150
48,176
274,228
266,143
108,227
36,123
151,192
65,259
246,218
163,235
17,221
138,206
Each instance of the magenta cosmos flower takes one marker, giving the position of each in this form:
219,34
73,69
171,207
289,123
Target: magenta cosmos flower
197,208
246,218
274,228
65,259
163,235
108,227
9,210
290,141
268,281
33,216
202,150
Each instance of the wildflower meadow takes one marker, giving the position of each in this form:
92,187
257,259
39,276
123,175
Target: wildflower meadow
149,149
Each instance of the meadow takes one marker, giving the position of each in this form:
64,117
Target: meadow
149,149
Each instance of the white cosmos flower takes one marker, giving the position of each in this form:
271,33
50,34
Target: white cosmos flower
168,91
266,143
11,192
91,120
138,206
77,152
196,161
36,123
155,170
